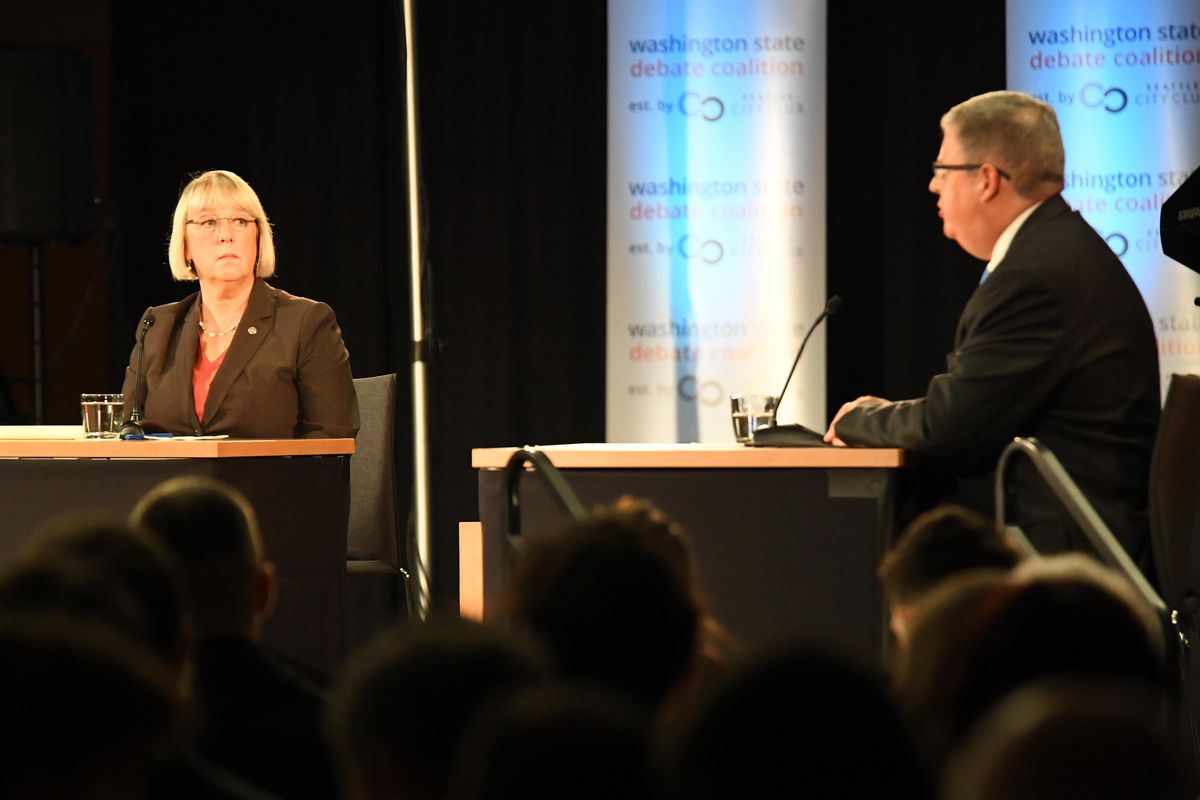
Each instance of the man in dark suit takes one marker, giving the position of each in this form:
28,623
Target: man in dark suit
1055,343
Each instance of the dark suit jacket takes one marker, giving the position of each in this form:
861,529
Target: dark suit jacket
1057,343
286,373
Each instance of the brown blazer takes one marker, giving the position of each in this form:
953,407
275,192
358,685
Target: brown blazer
286,374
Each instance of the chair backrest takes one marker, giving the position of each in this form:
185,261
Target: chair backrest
1175,491
373,533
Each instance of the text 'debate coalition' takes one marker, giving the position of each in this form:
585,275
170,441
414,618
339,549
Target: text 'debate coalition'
677,199
716,56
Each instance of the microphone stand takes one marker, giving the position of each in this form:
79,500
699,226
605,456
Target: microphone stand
132,430
795,435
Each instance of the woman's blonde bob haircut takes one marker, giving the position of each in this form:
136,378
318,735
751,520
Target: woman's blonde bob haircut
208,190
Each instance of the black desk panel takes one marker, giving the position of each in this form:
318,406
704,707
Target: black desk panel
781,552
302,504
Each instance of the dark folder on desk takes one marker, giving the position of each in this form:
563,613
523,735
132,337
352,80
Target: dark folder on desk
787,436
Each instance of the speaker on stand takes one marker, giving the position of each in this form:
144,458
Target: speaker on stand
1179,224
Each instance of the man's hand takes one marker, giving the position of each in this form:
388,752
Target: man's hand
866,401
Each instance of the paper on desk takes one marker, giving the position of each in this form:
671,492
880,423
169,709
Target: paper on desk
150,437
41,431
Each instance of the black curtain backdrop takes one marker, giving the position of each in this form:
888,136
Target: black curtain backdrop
894,69
306,103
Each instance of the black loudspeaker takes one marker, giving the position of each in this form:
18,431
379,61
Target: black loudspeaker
1179,223
46,174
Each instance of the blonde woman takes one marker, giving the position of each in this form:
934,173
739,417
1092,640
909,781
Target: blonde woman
237,357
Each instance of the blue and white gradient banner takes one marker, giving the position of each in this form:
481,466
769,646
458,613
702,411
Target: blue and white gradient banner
1124,77
716,217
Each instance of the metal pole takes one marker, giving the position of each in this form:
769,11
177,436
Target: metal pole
1077,505
420,349
35,292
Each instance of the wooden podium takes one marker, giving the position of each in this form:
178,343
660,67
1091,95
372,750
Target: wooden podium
787,540
300,489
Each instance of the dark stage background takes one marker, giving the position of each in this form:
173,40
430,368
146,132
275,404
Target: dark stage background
305,101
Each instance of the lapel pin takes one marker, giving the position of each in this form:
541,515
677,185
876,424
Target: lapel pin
252,330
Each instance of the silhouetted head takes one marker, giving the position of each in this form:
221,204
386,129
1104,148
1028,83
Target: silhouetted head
84,714
945,541
801,721
614,599
1071,740
68,588
212,532
399,711
979,637
140,565
556,741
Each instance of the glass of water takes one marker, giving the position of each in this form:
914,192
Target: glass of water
102,415
751,412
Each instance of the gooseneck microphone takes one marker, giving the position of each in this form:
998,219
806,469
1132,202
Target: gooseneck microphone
795,435
132,429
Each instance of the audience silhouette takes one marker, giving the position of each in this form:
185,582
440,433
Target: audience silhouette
799,721
939,543
84,713
104,575
130,667
982,635
401,709
556,741
255,716
615,600
1058,740
139,565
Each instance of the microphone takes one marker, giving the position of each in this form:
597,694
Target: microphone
795,435
133,429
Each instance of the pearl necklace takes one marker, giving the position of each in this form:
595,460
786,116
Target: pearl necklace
214,334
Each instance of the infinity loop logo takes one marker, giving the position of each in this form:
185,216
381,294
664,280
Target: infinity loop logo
1118,243
710,393
710,251
1113,99
710,108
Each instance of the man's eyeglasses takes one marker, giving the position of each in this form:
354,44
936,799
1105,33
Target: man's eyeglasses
210,225
940,167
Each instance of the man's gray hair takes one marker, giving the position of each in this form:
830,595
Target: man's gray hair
1015,132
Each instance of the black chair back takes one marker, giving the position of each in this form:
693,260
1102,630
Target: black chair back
1175,493
373,534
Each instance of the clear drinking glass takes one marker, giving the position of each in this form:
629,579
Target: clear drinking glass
751,412
102,415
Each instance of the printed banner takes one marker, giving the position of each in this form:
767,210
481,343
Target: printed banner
1124,77
716,218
